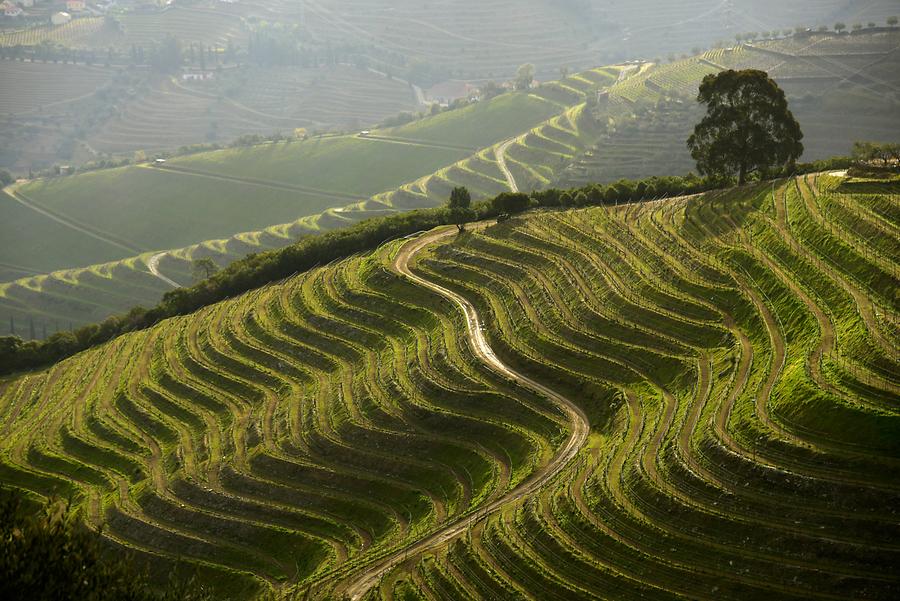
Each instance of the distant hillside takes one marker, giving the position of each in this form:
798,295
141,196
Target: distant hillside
306,187
719,375
474,39
841,88
565,133
276,65
78,113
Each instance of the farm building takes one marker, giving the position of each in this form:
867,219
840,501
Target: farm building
74,6
60,18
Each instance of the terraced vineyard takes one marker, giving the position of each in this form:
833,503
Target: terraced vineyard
347,431
326,183
548,137
840,88
171,114
44,86
478,39
198,24
487,40
74,33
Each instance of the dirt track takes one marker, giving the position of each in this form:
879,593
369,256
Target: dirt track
500,153
153,266
362,582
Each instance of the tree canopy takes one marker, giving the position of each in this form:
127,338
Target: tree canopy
460,198
874,152
748,127
203,268
460,207
510,202
524,77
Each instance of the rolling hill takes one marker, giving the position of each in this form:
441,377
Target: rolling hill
62,113
325,64
842,88
307,187
687,398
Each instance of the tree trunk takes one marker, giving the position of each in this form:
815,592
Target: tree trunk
742,174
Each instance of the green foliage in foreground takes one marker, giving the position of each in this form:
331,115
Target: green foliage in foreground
257,270
50,555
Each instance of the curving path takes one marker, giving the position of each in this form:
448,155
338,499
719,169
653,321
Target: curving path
500,153
362,582
153,266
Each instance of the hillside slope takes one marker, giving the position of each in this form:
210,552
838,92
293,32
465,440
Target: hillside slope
842,88
735,355
326,183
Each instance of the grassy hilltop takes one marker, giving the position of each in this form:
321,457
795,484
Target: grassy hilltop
734,354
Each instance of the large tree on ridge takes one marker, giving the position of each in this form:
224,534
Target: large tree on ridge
748,127
460,207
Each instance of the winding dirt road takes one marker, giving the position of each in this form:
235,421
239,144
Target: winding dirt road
362,582
500,153
153,266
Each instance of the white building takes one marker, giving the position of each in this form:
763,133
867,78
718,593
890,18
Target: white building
197,75
60,18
